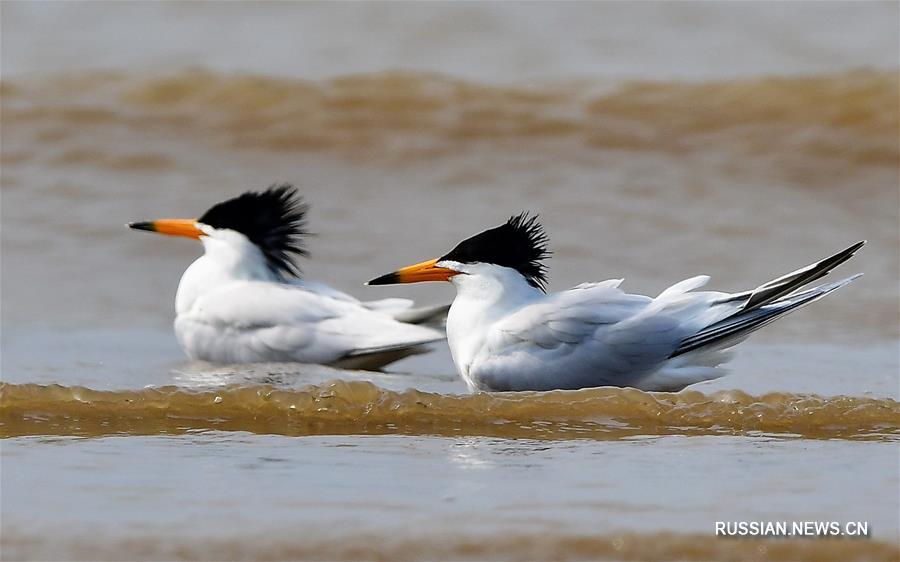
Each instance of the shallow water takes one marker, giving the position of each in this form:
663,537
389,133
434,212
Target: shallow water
743,162
326,497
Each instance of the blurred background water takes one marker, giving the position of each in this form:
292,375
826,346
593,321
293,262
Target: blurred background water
657,141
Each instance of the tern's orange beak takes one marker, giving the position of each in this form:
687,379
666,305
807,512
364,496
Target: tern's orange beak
172,227
425,271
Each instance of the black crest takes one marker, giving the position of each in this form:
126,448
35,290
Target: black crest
520,244
273,219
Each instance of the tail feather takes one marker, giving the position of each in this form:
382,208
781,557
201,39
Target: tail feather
738,326
787,284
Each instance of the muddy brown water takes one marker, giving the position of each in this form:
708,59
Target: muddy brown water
743,162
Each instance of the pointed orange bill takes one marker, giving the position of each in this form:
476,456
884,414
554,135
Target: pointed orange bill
425,271
171,227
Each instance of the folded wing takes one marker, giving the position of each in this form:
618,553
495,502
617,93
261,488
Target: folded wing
260,321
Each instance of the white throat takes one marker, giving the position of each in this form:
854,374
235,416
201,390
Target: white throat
485,294
228,256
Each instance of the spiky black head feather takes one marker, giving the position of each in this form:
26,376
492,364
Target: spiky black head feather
274,220
520,244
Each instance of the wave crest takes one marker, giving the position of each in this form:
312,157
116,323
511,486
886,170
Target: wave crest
357,407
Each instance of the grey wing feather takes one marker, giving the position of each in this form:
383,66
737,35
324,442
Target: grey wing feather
428,315
741,324
768,302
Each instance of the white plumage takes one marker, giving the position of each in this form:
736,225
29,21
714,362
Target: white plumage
240,316
233,306
505,333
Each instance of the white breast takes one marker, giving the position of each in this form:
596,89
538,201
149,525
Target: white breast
486,294
229,256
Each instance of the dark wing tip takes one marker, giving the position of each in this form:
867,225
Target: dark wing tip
842,256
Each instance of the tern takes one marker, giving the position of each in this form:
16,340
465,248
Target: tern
507,334
243,301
